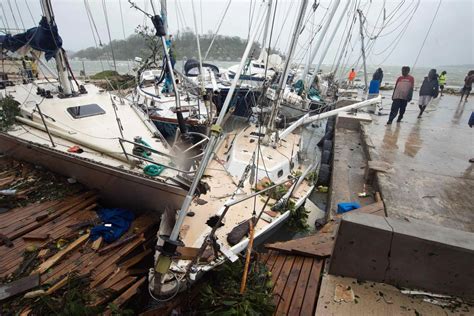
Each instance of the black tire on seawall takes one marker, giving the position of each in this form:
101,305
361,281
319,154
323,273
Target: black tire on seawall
324,176
327,145
326,157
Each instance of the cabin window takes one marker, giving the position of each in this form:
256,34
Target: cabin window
86,110
280,173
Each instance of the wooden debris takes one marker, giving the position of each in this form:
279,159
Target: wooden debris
36,236
6,241
318,245
117,244
97,243
52,261
58,285
128,294
19,286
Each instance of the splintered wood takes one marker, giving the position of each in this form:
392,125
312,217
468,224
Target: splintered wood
49,241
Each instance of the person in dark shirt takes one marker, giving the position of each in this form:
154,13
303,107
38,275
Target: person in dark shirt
378,76
466,90
428,91
402,94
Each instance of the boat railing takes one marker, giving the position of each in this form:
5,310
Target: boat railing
144,147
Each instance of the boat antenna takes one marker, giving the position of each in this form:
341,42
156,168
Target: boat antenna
284,75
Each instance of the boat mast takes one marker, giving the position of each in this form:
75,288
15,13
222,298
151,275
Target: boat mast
265,32
361,25
284,76
164,15
331,38
320,40
60,58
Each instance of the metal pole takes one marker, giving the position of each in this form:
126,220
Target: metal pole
361,23
45,126
201,72
265,30
286,68
60,59
331,38
216,130
320,39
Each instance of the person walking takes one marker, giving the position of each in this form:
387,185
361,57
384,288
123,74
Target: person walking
402,94
466,90
428,91
352,76
442,81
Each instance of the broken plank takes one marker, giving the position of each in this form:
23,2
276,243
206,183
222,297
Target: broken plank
52,261
58,285
19,286
319,245
97,243
117,244
128,294
135,259
36,236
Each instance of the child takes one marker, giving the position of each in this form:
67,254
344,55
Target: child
428,91
402,94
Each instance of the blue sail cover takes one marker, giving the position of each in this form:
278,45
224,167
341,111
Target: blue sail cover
44,38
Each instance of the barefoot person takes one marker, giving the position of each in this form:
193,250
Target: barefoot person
442,81
402,94
466,90
428,91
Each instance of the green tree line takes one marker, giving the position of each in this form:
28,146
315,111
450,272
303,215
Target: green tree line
225,48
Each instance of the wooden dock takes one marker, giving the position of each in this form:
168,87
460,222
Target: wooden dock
296,282
44,243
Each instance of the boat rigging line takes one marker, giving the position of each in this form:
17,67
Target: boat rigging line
104,7
13,15
218,28
29,10
19,14
427,33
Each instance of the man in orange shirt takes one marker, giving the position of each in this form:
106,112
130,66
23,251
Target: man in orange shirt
352,76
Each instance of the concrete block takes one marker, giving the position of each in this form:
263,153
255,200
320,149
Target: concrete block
352,120
410,254
432,258
361,248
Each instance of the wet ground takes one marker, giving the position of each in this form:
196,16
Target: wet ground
430,177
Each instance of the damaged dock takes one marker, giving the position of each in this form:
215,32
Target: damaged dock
46,256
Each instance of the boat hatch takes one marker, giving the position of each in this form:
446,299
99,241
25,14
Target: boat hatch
86,110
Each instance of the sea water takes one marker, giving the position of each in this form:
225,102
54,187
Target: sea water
455,74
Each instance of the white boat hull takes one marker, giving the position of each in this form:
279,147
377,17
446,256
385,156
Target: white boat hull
116,186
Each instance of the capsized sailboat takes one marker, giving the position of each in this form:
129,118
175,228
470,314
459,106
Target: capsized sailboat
84,132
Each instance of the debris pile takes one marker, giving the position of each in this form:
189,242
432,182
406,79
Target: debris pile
47,259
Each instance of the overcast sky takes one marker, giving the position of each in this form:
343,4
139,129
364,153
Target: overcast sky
450,41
